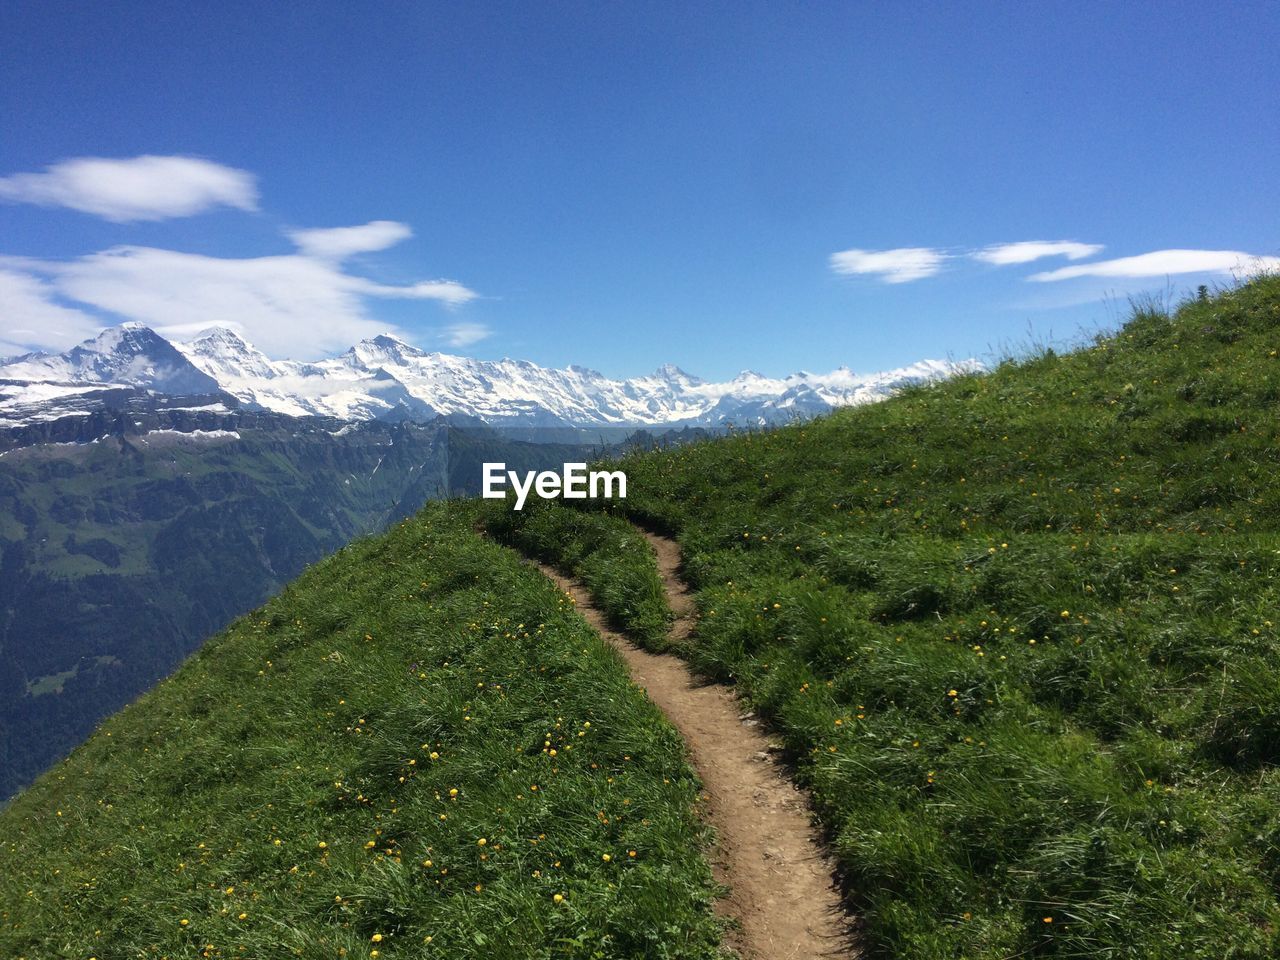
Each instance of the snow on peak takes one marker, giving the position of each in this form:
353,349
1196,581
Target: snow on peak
673,374
222,335
224,355
131,354
384,349
384,377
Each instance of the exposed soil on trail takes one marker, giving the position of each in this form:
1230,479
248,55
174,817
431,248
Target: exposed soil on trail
769,855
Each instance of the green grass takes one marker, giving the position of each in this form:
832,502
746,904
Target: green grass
291,790
138,551
1018,632
606,553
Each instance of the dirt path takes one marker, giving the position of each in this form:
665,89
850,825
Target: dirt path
780,882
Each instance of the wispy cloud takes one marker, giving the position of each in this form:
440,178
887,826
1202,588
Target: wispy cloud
449,292
32,319
1163,263
905,264
1025,251
139,188
300,303
290,305
901,265
465,334
338,243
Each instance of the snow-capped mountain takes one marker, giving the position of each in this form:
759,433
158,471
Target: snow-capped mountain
223,355
128,355
385,378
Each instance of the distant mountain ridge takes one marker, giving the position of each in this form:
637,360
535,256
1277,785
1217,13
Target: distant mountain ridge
384,378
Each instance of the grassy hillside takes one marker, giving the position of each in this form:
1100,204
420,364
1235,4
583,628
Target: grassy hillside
418,749
1019,633
118,557
608,555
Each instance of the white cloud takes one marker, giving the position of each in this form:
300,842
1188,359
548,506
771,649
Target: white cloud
465,334
1162,263
33,321
139,188
338,243
287,305
1025,251
449,292
893,266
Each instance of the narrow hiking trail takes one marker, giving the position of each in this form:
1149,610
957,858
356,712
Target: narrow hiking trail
769,854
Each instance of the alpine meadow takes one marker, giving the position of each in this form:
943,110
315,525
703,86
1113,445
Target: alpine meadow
1016,633
665,481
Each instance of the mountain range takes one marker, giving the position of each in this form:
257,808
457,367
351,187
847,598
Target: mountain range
385,378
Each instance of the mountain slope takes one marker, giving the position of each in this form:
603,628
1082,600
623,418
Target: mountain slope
418,749
1019,633
120,555
125,544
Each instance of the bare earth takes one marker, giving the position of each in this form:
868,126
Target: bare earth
780,880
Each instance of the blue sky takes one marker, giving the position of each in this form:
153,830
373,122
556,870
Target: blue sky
626,185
